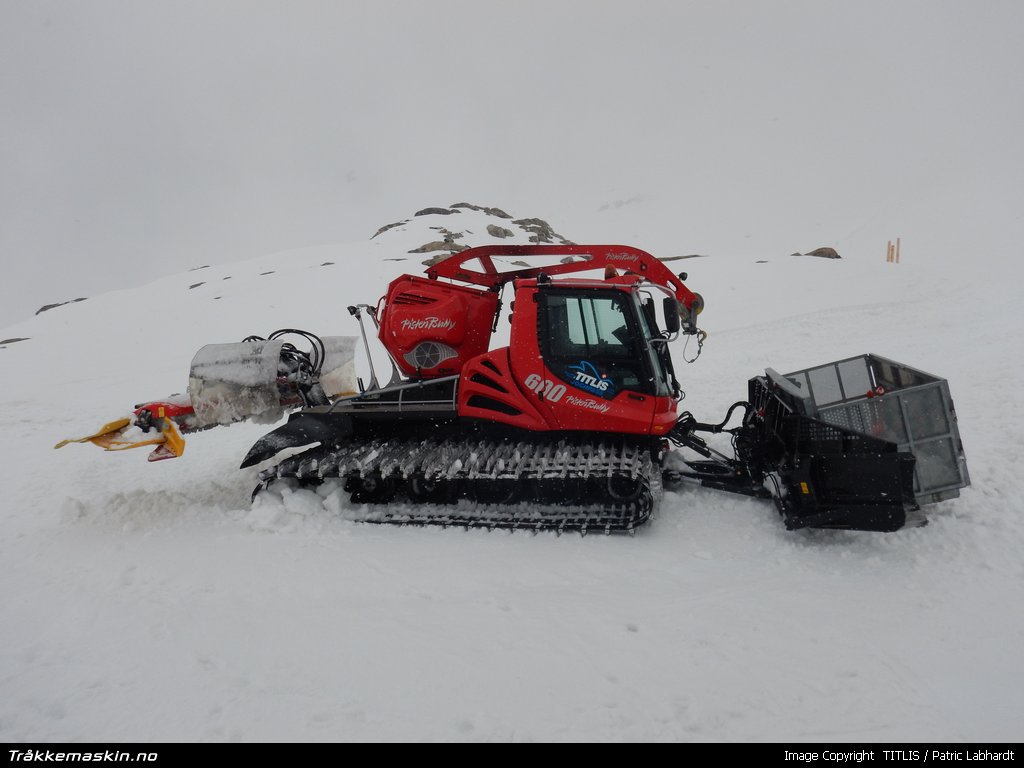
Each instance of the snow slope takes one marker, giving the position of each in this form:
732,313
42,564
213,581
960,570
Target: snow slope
152,602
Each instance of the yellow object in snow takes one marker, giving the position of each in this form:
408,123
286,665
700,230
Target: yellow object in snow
112,437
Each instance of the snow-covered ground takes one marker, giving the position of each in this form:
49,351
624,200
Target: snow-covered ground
152,602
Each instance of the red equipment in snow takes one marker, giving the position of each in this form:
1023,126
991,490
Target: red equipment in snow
569,426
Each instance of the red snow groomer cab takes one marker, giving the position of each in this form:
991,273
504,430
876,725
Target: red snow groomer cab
583,354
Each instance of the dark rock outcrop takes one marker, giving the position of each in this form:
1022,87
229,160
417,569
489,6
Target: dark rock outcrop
447,244
824,253
438,211
440,245
536,230
540,231
486,209
386,227
495,231
48,307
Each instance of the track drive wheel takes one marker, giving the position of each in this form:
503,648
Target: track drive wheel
433,491
371,489
625,489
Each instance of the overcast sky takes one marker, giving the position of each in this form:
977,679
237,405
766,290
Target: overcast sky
139,139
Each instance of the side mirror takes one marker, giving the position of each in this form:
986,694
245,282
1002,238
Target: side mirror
671,307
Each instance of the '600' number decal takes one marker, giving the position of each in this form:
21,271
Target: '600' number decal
545,387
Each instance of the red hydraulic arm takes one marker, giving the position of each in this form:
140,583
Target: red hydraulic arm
621,257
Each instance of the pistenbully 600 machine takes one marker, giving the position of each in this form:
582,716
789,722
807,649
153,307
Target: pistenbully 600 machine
570,426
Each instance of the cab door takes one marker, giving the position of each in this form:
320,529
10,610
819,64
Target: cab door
592,348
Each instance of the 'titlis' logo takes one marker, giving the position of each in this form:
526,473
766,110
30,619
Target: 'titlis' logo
584,375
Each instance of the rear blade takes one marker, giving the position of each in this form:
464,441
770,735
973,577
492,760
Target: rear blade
243,381
235,382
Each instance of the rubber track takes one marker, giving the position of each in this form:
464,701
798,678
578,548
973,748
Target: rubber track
479,462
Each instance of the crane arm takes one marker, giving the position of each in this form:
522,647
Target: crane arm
460,266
